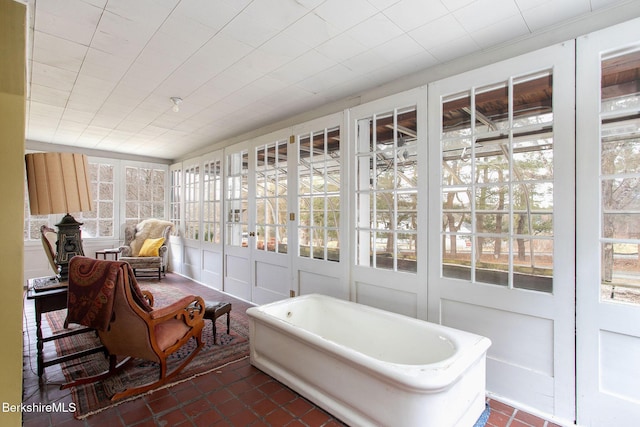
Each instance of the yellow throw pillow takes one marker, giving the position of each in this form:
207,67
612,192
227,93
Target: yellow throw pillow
150,247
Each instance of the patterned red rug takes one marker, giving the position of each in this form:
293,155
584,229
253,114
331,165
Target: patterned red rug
95,397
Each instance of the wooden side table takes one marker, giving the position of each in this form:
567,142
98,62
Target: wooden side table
51,300
108,251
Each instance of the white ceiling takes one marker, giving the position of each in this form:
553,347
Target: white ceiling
101,72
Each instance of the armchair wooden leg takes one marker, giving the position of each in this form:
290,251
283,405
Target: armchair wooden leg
114,368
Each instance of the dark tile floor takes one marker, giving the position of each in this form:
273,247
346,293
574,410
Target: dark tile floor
236,395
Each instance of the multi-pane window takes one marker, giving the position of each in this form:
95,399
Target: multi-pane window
237,199
620,177
100,221
97,223
144,193
175,202
319,194
387,190
212,203
192,202
271,197
32,223
497,183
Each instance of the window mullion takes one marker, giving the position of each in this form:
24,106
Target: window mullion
472,184
510,281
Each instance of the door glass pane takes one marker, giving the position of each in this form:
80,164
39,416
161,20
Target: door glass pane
211,220
271,197
497,183
100,221
192,203
620,178
319,194
176,200
236,199
386,190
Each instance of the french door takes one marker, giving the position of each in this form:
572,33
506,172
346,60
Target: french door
319,243
269,221
211,223
237,251
257,227
501,221
191,255
608,237
389,208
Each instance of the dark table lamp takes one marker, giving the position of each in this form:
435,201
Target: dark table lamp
59,183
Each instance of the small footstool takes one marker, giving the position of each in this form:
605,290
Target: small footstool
215,309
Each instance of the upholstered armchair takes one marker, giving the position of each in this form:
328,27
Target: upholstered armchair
145,246
105,296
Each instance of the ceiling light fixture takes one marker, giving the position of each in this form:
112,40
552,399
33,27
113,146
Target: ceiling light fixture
176,103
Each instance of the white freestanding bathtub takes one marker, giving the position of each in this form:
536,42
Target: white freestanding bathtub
370,367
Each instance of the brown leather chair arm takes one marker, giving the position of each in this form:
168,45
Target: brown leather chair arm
190,307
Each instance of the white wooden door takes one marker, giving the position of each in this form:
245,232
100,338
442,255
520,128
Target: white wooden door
176,215
256,253
211,224
238,270
269,222
318,243
192,191
388,213
501,225
608,227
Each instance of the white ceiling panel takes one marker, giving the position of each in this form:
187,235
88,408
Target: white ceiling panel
403,48
150,12
439,33
120,36
95,134
86,103
283,48
484,13
276,14
447,52
58,52
344,15
341,48
77,116
311,30
102,71
453,5
325,80
547,13
104,65
410,14
249,29
50,76
374,31
68,19
508,29
213,14
49,95
308,64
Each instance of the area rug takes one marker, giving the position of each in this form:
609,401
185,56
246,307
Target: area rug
93,398
484,417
